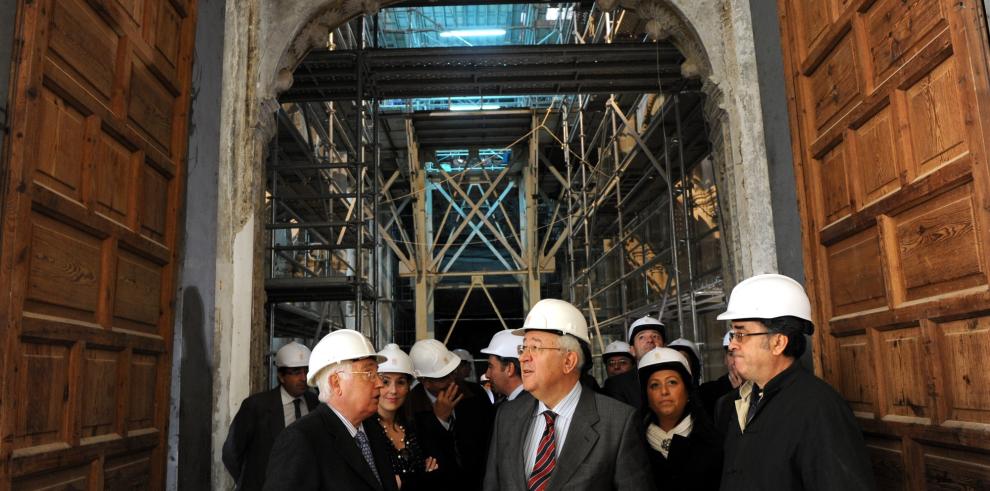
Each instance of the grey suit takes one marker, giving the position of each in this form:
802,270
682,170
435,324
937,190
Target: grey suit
604,448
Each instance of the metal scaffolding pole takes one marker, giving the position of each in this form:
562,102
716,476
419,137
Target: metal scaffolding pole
686,203
620,234
359,178
565,121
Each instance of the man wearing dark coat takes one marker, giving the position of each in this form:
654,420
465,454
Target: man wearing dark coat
562,435
263,416
339,446
785,428
450,416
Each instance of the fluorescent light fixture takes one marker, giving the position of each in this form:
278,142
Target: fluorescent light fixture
472,33
474,107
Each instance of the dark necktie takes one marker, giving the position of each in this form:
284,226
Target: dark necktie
754,400
296,402
546,456
365,446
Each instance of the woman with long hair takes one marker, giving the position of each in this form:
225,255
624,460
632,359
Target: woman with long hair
411,462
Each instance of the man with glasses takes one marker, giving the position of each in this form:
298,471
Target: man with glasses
503,364
338,445
565,437
450,416
786,428
263,416
618,358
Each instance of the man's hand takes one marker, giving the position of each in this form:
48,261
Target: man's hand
446,402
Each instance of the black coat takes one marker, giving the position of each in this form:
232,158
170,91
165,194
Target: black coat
711,392
317,452
693,462
803,436
462,451
252,434
625,387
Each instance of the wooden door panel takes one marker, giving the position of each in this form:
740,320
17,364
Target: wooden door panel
96,163
890,112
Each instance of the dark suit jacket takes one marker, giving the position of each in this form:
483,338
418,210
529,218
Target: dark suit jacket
317,452
625,387
462,450
252,434
604,448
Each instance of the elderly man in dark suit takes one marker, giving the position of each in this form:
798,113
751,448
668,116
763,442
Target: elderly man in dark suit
339,445
264,415
566,437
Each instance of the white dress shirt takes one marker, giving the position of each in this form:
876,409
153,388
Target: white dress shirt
289,409
347,423
515,393
565,413
433,401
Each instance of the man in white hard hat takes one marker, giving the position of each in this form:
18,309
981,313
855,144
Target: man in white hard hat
339,445
713,390
567,437
618,358
503,364
450,415
783,414
264,415
645,334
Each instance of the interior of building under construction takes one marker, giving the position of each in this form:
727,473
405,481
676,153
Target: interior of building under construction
187,185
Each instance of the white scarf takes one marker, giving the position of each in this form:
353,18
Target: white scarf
660,440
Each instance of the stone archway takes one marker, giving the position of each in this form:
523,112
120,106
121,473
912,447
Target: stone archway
265,39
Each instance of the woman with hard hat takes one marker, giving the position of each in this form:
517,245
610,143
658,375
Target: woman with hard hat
410,461
684,447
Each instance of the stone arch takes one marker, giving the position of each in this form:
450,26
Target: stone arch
715,36
265,39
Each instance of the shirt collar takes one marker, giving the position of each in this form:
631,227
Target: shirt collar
566,406
347,423
515,393
286,398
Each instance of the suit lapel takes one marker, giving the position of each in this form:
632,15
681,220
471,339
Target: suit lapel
521,425
347,447
276,417
581,438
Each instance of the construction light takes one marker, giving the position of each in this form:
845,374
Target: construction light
473,33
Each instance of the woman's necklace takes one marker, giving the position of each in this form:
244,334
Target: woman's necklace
398,439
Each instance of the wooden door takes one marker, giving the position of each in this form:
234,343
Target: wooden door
93,181
890,113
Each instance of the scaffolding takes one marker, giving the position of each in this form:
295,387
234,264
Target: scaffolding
324,263
591,181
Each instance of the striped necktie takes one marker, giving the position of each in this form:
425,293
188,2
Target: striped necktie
546,456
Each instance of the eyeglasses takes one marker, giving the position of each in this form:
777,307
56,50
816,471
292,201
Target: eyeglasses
741,336
522,349
367,376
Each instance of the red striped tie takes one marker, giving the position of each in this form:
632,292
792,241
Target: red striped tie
546,456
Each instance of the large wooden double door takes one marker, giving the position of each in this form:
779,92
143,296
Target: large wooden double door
92,182
890,114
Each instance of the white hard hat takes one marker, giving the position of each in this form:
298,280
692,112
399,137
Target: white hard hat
663,359
504,344
555,315
726,339
432,359
647,322
463,354
338,346
397,361
767,296
686,343
484,378
617,348
292,355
